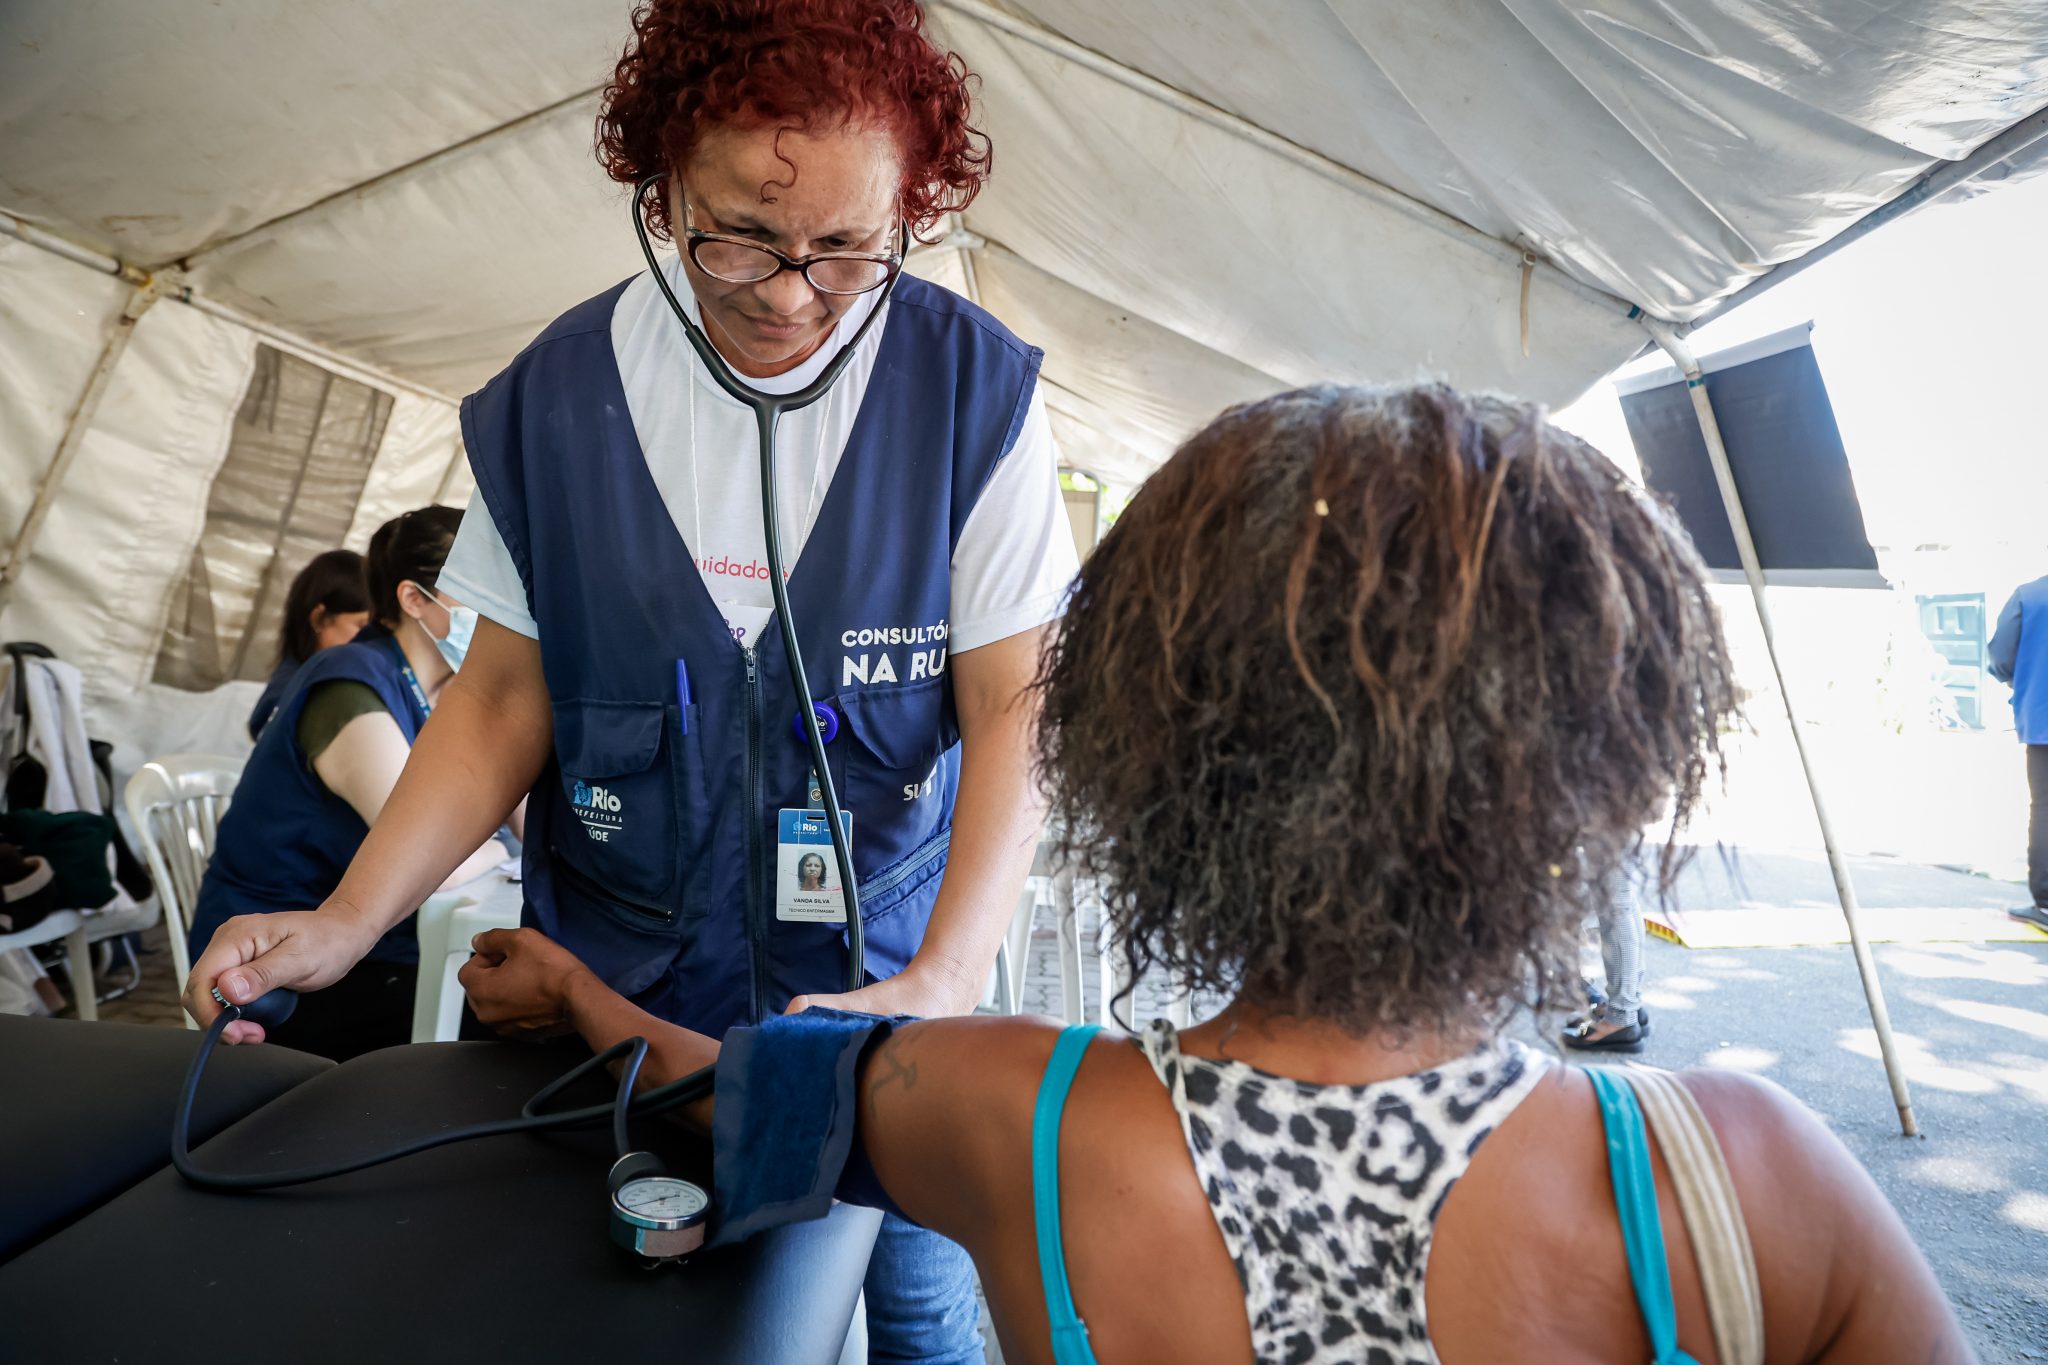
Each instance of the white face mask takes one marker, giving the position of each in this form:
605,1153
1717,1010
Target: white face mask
454,646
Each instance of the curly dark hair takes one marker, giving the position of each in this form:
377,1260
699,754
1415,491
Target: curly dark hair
695,65
1364,695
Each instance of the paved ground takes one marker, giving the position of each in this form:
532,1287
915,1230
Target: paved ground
1971,1022
1972,1028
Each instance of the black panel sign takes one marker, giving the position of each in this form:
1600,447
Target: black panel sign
1786,454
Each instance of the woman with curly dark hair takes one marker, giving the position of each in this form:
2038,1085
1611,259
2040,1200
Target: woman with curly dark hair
626,671
1359,701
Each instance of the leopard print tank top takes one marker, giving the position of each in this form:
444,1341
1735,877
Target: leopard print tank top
1327,1195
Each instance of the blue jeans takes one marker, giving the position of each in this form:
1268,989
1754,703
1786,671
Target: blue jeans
921,1308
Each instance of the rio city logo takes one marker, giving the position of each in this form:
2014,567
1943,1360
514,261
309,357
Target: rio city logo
599,810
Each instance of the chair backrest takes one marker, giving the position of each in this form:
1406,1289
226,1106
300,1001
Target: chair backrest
175,803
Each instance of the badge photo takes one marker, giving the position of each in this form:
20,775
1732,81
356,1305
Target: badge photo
808,889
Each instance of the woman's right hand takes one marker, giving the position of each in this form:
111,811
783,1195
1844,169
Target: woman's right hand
251,955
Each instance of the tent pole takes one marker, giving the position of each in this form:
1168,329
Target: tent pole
182,292
1946,178
1752,568
140,300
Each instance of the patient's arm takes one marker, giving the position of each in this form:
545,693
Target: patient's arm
941,1104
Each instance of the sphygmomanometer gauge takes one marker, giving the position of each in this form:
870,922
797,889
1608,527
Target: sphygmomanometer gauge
657,1216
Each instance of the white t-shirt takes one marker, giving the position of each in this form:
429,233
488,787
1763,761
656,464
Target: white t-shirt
1011,567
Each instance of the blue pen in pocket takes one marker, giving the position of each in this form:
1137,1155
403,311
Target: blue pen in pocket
682,697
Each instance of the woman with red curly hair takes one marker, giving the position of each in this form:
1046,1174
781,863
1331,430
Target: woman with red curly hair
625,671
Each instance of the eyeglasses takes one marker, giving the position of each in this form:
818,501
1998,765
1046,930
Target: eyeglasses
736,260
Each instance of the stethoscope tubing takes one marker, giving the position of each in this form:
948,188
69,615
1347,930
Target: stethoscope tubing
768,409
623,1107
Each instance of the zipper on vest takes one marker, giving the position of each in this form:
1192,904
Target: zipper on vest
757,929
563,868
922,857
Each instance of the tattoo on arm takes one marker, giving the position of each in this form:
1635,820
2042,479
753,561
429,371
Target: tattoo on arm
890,1067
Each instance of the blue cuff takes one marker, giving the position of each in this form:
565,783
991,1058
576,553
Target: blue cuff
783,1134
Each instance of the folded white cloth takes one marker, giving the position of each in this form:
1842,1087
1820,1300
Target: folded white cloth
56,735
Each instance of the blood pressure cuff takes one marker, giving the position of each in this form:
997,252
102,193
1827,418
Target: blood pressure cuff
783,1142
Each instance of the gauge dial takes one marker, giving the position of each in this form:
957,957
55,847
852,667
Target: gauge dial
662,1199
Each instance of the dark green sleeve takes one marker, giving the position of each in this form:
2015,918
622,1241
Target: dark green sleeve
331,706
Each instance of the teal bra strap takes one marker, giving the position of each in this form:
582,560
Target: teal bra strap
1635,1196
1069,1333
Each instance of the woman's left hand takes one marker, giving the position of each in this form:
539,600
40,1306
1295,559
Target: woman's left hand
519,982
922,990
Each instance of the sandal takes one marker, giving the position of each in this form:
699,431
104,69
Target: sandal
1629,1038
1579,1022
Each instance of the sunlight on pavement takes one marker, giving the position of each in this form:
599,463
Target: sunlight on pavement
1731,1058
1742,973
2033,1023
1688,983
2005,966
2028,1075
1959,1174
2028,1209
1922,1067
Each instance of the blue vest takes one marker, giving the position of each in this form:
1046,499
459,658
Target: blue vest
286,839
273,693
651,836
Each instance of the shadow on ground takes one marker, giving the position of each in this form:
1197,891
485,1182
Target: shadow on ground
1971,1025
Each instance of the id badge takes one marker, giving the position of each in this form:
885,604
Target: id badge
807,886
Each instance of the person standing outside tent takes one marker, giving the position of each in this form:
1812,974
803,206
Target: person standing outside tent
1616,1020
626,670
2019,658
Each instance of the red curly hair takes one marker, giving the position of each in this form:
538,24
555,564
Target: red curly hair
696,65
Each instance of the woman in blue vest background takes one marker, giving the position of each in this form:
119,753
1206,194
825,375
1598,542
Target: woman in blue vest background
325,767
327,604
627,672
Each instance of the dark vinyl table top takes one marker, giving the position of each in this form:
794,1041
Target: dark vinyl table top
495,1250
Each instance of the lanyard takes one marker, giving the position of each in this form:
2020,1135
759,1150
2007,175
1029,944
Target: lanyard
412,680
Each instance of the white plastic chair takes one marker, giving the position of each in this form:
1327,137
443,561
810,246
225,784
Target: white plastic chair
68,925
446,924
1005,993
176,803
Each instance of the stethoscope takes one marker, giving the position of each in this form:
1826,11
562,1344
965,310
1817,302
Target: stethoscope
768,409
659,1217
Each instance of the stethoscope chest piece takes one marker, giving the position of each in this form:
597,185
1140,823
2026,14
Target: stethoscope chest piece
657,1216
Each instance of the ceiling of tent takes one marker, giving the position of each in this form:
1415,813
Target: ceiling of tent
1195,201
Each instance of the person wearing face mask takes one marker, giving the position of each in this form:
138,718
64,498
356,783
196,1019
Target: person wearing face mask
320,775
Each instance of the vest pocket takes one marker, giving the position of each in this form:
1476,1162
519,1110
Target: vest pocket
628,943
903,731
618,775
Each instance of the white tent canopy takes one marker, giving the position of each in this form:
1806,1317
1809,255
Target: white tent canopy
1194,202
